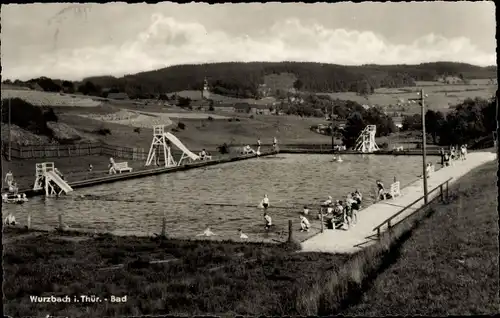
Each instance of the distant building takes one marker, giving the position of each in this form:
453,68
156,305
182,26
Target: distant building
398,121
242,108
119,96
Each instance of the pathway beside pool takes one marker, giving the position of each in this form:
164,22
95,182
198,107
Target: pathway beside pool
340,241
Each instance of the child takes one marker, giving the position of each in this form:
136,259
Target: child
306,210
304,224
10,220
269,221
265,202
90,167
242,235
207,232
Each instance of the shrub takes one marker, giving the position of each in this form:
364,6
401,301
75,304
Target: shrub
223,149
50,115
211,108
181,126
103,131
384,145
175,130
210,118
137,130
252,117
237,119
230,120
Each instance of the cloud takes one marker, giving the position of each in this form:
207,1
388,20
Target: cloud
167,41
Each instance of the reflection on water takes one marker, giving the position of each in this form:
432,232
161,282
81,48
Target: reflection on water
137,206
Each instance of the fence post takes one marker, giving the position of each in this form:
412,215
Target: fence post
447,192
164,227
61,226
290,231
441,192
378,233
29,220
321,219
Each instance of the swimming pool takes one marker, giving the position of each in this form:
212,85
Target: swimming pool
187,198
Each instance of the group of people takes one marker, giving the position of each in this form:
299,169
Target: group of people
341,213
453,154
205,155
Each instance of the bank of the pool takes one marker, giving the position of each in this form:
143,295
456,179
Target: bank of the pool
148,172
415,152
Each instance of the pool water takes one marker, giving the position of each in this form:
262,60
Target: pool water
187,198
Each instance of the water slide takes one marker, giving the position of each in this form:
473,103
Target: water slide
181,146
59,181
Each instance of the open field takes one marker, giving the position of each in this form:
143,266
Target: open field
50,99
449,265
242,278
440,96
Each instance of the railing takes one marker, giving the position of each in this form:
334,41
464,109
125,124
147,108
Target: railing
389,220
72,150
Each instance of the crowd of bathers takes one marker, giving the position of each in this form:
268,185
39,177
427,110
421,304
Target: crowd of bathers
453,154
341,213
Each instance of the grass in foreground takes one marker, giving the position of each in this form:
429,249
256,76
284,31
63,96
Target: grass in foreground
204,277
449,266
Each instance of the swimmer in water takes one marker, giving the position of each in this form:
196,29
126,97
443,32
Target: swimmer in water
306,210
242,235
269,221
10,220
265,202
207,232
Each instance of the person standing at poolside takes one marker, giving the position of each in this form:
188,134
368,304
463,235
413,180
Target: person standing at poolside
275,144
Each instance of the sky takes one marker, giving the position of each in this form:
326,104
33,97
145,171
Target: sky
73,41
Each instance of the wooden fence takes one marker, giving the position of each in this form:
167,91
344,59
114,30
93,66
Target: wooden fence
74,150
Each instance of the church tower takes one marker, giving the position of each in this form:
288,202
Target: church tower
206,92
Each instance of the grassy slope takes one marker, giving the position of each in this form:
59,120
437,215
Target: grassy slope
250,279
450,264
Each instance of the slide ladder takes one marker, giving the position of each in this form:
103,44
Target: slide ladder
366,140
48,178
160,145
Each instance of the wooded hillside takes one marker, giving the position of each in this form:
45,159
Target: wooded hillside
243,79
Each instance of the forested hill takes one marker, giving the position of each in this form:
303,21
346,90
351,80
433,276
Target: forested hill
243,79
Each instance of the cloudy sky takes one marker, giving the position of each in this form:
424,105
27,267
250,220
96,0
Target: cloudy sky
74,41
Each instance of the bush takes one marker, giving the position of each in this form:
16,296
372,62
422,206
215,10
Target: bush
137,130
230,120
181,126
237,119
384,146
210,118
211,108
223,149
50,115
251,117
175,130
103,131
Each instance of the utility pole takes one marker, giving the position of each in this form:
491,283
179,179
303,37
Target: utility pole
10,134
331,130
421,101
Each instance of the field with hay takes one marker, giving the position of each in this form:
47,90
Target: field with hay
440,96
50,99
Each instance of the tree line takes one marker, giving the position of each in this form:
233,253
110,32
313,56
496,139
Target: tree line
242,80
467,123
